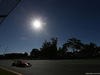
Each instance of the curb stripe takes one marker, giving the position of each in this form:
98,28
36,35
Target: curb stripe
10,71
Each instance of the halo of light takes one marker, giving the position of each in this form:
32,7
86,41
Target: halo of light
37,24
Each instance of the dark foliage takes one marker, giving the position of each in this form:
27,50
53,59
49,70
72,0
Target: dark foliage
49,49
35,53
72,49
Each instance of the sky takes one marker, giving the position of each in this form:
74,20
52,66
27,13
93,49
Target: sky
62,19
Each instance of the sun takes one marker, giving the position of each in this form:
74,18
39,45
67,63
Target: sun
37,24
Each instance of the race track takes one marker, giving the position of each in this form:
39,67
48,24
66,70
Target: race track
56,67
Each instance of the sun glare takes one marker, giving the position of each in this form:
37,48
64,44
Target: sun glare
37,24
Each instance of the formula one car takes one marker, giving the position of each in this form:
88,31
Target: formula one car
21,64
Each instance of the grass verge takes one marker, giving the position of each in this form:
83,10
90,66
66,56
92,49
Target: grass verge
7,72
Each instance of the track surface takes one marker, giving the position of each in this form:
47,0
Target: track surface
56,67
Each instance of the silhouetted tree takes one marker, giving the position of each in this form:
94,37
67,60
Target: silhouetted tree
35,53
65,47
74,44
93,49
54,46
49,49
25,54
62,52
97,51
45,50
89,50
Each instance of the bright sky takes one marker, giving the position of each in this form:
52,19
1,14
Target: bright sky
63,19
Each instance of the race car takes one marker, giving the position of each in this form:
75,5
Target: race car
21,64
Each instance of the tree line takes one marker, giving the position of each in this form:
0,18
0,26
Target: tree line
73,48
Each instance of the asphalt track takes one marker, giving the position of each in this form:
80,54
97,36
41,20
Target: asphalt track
56,67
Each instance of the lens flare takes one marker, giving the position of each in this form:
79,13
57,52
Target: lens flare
37,24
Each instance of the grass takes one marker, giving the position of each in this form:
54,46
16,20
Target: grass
5,72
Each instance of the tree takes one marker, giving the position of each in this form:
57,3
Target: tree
65,47
35,53
74,44
62,52
97,51
89,50
49,49
54,46
26,54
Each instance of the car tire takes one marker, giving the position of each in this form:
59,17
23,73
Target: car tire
13,64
